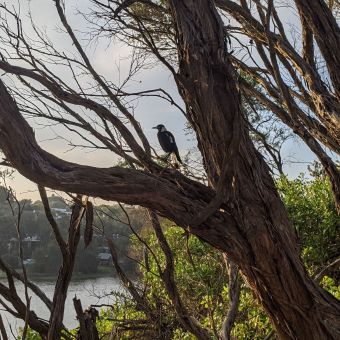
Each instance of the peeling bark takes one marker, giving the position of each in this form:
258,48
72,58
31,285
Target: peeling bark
87,322
68,251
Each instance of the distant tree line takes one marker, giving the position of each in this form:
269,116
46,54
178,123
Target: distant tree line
44,252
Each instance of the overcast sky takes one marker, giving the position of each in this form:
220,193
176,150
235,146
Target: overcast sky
149,112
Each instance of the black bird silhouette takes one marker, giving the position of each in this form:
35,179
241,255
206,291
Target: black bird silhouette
167,141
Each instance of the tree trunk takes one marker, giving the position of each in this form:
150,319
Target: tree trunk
87,322
271,263
65,274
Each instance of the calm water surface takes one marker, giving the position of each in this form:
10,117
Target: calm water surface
92,291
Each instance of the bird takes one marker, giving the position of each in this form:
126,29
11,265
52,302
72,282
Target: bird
167,141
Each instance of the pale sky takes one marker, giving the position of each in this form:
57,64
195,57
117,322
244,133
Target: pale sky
149,111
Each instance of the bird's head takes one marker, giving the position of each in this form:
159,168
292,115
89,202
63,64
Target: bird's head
160,127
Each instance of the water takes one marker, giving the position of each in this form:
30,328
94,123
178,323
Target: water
92,291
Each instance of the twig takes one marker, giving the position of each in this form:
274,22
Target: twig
318,277
234,298
3,330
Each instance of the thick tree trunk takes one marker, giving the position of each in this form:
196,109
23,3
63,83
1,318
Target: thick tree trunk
297,307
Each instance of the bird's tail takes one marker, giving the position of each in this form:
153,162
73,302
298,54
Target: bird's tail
178,156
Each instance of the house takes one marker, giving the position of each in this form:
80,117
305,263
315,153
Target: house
104,256
61,212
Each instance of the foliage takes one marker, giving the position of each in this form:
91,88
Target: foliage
31,335
329,284
202,282
202,279
310,205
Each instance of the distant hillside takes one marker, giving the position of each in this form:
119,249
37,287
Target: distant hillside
38,240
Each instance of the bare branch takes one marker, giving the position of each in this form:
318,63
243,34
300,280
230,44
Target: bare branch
318,277
3,330
187,321
62,244
234,290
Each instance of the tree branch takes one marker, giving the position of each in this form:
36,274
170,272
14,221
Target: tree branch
168,277
318,277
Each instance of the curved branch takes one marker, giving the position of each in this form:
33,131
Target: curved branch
168,192
298,128
76,99
168,276
324,271
101,82
327,105
321,21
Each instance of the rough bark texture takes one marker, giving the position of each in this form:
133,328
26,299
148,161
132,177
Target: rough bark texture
274,270
254,230
320,100
242,213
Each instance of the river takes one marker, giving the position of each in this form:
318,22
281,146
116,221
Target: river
88,291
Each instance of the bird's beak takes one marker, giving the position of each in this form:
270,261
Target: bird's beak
155,127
